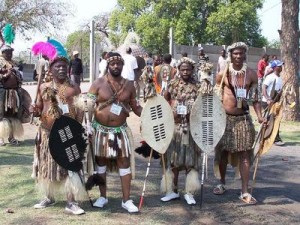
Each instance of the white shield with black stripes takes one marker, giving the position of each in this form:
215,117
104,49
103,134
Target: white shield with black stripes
67,143
207,121
157,123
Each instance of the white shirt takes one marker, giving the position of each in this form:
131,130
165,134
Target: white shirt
269,81
102,67
130,64
221,64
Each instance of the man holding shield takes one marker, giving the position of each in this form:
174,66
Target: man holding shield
115,96
56,98
238,85
183,153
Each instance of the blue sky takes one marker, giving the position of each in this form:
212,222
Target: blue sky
270,17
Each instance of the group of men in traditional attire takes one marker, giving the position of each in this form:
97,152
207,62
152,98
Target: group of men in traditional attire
110,99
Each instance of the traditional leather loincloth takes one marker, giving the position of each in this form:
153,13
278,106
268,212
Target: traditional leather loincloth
112,143
239,134
183,152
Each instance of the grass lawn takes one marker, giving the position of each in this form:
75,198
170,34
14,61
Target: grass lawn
17,191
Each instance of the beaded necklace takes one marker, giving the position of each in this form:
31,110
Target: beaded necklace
239,87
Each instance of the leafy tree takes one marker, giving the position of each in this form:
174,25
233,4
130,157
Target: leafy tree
235,20
27,15
274,44
193,22
80,41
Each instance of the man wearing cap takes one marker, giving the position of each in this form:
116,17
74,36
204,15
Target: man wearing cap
237,86
273,80
115,96
76,68
10,98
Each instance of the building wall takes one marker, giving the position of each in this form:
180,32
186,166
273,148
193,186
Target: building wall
213,51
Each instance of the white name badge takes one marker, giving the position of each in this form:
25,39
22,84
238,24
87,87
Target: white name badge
64,108
241,93
181,110
115,109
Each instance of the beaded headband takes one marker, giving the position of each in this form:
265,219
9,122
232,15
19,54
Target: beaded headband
112,58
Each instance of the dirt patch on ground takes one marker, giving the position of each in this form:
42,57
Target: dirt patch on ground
276,189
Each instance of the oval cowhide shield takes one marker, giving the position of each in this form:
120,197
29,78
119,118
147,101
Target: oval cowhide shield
207,121
67,144
157,123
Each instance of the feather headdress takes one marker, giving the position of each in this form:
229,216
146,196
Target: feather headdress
52,49
8,34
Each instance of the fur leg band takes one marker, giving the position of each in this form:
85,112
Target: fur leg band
166,184
192,183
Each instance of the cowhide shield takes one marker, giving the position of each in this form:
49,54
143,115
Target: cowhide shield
207,121
275,113
157,122
25,104
67,144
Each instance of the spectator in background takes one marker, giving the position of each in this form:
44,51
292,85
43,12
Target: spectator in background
41,68
130,65
148,59
76,68
138,83
221,61
261,66
203,58
163,74
156,60
21,67
269,69
269,95
103,65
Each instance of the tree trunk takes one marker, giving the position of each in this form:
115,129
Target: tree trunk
289,38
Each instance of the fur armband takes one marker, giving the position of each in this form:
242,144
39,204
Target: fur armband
85,102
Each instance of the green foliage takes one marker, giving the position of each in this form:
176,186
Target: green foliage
27,16
235,21
80,41
274,44
193,22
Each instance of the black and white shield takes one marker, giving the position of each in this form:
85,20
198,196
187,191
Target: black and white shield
157,123
67,144
207,121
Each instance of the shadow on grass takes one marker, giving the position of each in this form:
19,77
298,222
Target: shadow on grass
17,155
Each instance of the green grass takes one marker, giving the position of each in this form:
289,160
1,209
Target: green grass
18,192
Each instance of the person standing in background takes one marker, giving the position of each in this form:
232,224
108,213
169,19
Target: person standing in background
76,68
130,65
261,66
42,68
221,61
267,98
103,65
138,83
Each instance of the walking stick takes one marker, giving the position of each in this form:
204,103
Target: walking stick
202,179
147,173
164,169
36,95
87,123
258,157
